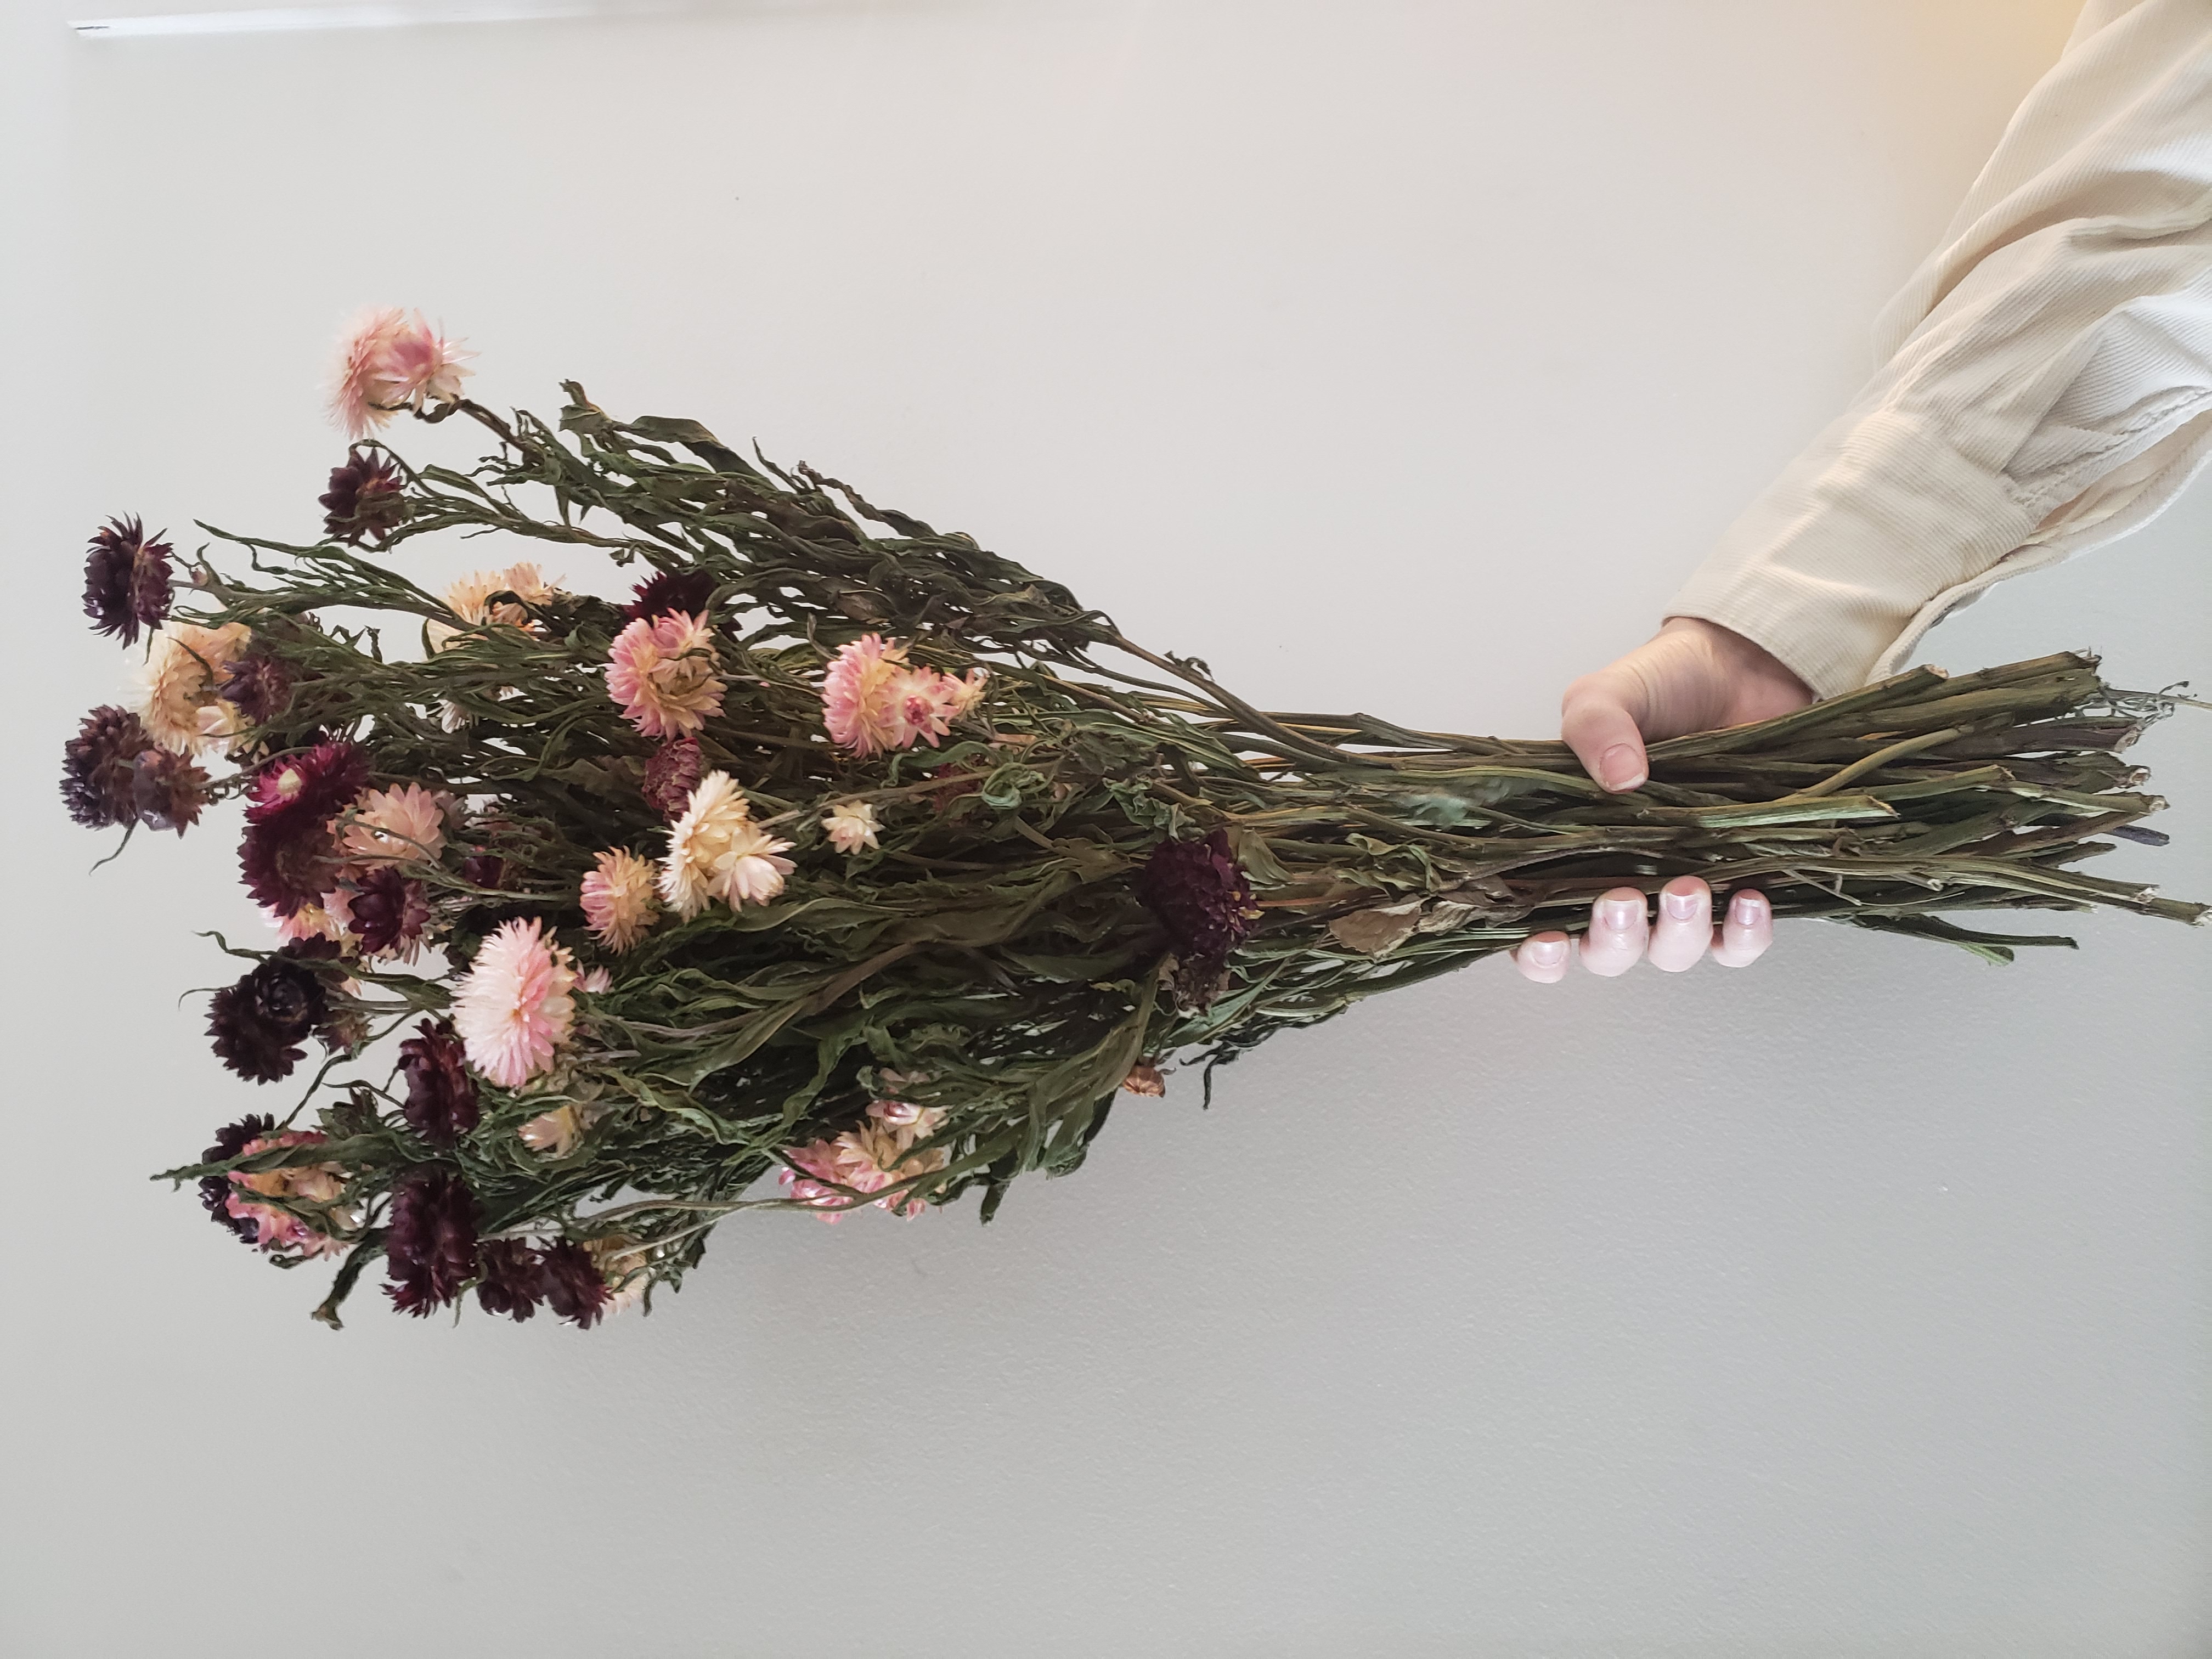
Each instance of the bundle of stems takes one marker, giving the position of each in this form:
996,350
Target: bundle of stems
1109,868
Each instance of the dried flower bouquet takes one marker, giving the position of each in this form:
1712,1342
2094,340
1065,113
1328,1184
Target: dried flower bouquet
853,854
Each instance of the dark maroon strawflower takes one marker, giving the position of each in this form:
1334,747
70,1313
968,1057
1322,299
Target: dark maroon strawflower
574,1288
260,1023
230,1140
431,1246
288,857
1201,897
665,594
670,776
126,579
99,765
168,790
311,786
389,912
259,686
441,1095
484,870
364,499
509,1278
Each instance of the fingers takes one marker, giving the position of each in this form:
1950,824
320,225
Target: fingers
1543,957
1622,934
1600,718
1742,937
1620,929
1685,927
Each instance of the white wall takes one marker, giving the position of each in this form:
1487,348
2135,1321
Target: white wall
1393,354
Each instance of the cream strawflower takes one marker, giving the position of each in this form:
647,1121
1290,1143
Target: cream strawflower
661,671
398,826
513,1008
852,825
618,899
470,598
329,920
715,851
175,697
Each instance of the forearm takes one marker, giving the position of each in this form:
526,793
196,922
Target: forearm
2047,375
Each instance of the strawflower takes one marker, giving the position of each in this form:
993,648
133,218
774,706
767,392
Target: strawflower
876,1153
364,501
258,1025
513,1008
852,825
441,1103
406,825
389,361
430,1245
126,579
100,767
617,899
662,671
715,851
175,695
275,1229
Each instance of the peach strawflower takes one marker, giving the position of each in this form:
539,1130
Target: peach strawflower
559,1131
661,671
175,695
851,824
715,851
513,1008
302,1183
398,826
866,1159
329,920
389,361
873,699
618,899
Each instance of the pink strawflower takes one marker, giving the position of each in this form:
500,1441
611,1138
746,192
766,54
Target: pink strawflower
406,825
929,702
513,1009
306,1184
877,1153
715,851
389,361
873,699
661,671
851,826
596,980
862,699
618,899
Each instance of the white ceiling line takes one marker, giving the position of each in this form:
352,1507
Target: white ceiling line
400,14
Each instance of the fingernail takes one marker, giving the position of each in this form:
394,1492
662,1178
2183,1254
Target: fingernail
1545,952
1618,915
1620,767
1681,906
1750,907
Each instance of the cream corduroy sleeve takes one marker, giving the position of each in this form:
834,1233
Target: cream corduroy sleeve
2046,380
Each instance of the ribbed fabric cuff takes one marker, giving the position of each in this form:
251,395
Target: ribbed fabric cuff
1829,568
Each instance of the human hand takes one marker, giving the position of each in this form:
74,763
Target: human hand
1622,934
1691,676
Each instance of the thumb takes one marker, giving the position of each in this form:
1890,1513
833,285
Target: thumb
1599,719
